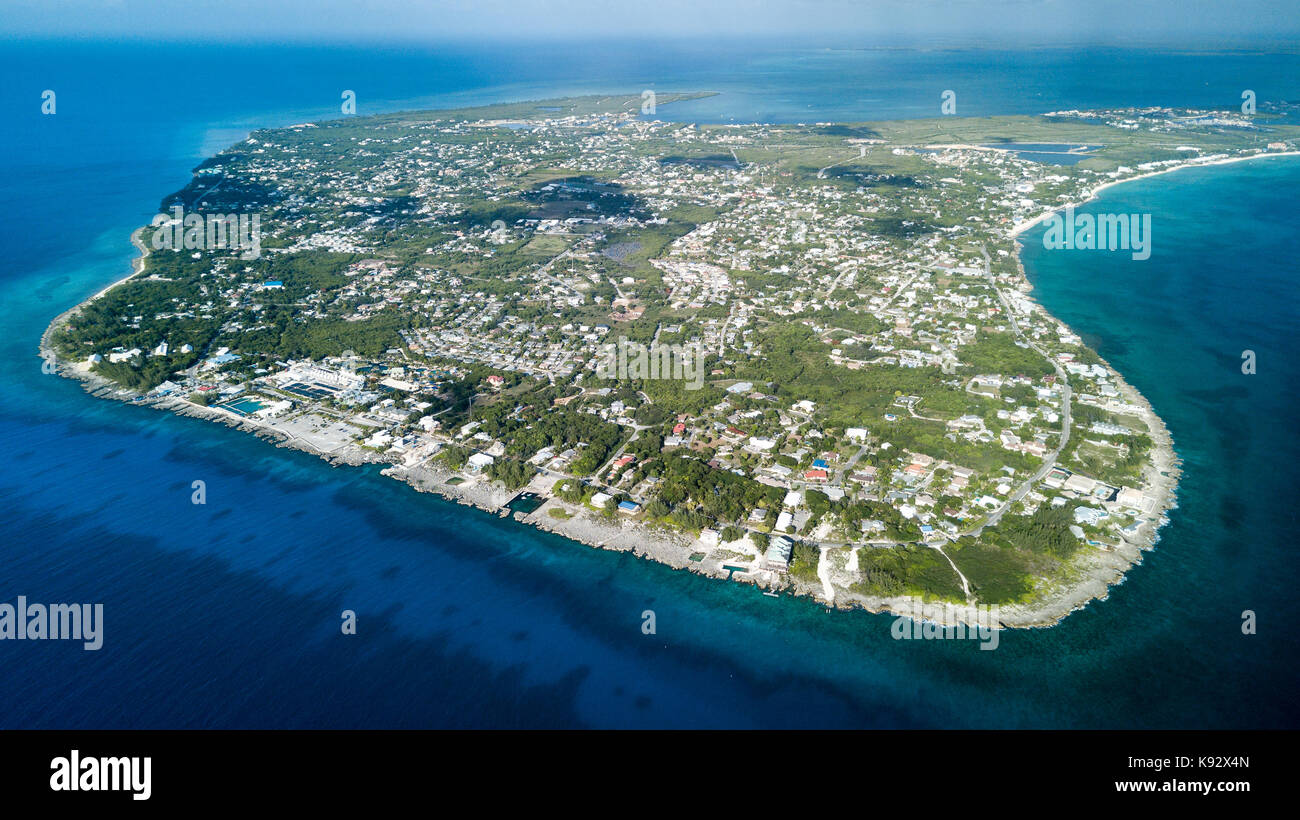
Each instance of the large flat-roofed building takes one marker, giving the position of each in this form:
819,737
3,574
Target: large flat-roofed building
311,373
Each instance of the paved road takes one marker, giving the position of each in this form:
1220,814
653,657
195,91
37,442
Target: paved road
1050,460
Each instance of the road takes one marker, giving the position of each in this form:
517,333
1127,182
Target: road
1050,460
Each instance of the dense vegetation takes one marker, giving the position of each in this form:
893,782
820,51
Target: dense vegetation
907,570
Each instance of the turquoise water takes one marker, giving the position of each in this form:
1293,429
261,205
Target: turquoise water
245,406
1222,279
227,614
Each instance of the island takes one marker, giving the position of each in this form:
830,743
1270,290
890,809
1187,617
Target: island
801,356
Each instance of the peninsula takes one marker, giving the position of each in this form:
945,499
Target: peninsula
802,356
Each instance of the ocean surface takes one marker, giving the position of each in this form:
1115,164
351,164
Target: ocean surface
227,614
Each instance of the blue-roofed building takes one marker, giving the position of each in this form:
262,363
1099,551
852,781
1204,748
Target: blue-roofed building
820,464
628,507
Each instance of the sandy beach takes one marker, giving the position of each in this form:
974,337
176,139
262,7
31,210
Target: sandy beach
1021,227
137,266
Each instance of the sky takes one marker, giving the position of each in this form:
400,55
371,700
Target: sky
852,22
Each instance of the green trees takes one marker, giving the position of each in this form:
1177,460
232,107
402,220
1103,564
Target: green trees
656,509
907,570
513,474
688,519
1046,531
999,353
803,560
455,457
290,338
571,490
647,445
720,495
142,373
650,414
528,431
818,502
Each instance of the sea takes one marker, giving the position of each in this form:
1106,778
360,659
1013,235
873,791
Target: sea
228,614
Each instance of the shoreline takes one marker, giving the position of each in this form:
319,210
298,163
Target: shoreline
137,268
582,526
1092,574
1021,227
1099,570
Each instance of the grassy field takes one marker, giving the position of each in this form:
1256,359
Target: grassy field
546,245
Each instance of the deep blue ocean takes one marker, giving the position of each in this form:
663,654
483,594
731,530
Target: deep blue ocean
227,615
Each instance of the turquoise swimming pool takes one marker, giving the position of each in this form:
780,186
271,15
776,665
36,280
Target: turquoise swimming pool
244,406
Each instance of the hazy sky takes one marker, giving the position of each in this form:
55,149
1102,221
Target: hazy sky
1045,21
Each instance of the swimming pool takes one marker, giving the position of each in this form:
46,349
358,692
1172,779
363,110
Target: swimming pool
244,406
